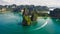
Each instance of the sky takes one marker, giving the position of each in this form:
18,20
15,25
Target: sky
49,3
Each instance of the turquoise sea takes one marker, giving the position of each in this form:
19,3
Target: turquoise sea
11,24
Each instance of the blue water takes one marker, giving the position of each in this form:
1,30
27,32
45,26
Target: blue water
11,24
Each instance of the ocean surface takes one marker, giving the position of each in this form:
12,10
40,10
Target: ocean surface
11,24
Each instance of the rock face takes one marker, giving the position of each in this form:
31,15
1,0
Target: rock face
33,17
24,22
55,13
26,18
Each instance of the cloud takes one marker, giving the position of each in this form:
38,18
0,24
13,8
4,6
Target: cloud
2,2
33,2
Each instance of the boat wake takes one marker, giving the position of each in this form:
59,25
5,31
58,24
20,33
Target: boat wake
40,26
